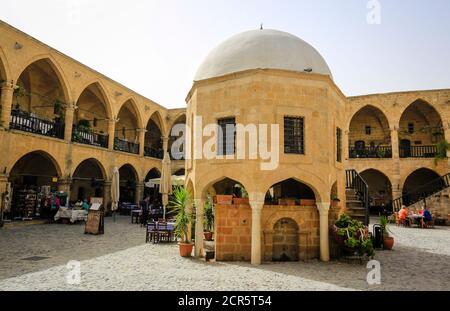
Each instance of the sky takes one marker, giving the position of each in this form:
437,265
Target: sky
154,47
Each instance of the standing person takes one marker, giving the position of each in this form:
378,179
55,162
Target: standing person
144,205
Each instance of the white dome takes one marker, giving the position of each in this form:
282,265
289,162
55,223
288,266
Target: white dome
262,49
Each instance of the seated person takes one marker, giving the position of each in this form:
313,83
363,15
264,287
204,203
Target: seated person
427,217
85,205
403,215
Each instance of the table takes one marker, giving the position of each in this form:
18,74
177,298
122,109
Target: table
136,216
416,219
71,214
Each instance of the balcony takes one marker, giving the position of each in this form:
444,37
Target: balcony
153,153
380,152
126,146
88,137
417,151
27,122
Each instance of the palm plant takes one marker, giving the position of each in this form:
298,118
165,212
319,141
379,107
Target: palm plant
209,216
180,203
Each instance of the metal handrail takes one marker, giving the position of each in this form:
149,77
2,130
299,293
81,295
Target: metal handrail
356,182
422,192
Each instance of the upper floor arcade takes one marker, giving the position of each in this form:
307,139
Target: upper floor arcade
398,125
46,93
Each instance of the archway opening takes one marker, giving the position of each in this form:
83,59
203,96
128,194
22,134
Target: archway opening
369,134
90,122
285,241
39,101
290,192
420,184
153,192
228,186
380,190
128,181
126,133
153,138
420,130
34,178
180,172
87,181
177,151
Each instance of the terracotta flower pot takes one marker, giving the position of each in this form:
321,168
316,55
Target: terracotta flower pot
208,235
388,242
241,201
223,199
186,249
307,202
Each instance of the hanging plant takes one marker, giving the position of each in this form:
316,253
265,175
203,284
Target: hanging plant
441,151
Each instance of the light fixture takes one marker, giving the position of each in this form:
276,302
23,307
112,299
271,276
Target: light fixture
77,74
118,94
308,70
18,46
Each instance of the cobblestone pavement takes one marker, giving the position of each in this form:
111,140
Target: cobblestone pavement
120,260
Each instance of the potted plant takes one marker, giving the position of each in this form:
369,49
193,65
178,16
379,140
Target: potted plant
388,241
307,202
335,201
181,200
352,236
223,199
209,221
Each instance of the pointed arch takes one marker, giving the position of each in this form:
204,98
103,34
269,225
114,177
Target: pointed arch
5,73
137,113
98,85
57,69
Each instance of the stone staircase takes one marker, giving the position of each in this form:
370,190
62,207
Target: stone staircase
355,207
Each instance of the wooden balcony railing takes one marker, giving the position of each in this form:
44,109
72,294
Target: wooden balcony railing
88,137
418,152
380,152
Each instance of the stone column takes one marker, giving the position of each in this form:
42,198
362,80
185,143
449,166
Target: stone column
257,205
324,231
141,141
68,123
65,185
199,217
6,105
395,181
111,133
165,140
139,191
395,143
106,195
447,138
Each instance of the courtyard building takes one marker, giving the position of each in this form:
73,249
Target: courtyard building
65,127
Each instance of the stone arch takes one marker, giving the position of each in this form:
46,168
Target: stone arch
154,136
104,94
129,122
212,177
320,188
100,166
5,73
418,180
369,130
285,245
45,155
57,69
129,179
132,101
28,176
290,192
225,186
152,192
380,189
88,180
420,125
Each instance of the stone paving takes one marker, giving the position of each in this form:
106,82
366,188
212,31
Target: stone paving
120,260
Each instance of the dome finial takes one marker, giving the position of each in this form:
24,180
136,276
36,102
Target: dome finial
262,26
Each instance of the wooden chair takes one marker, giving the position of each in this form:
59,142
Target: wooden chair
163,233
151,232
